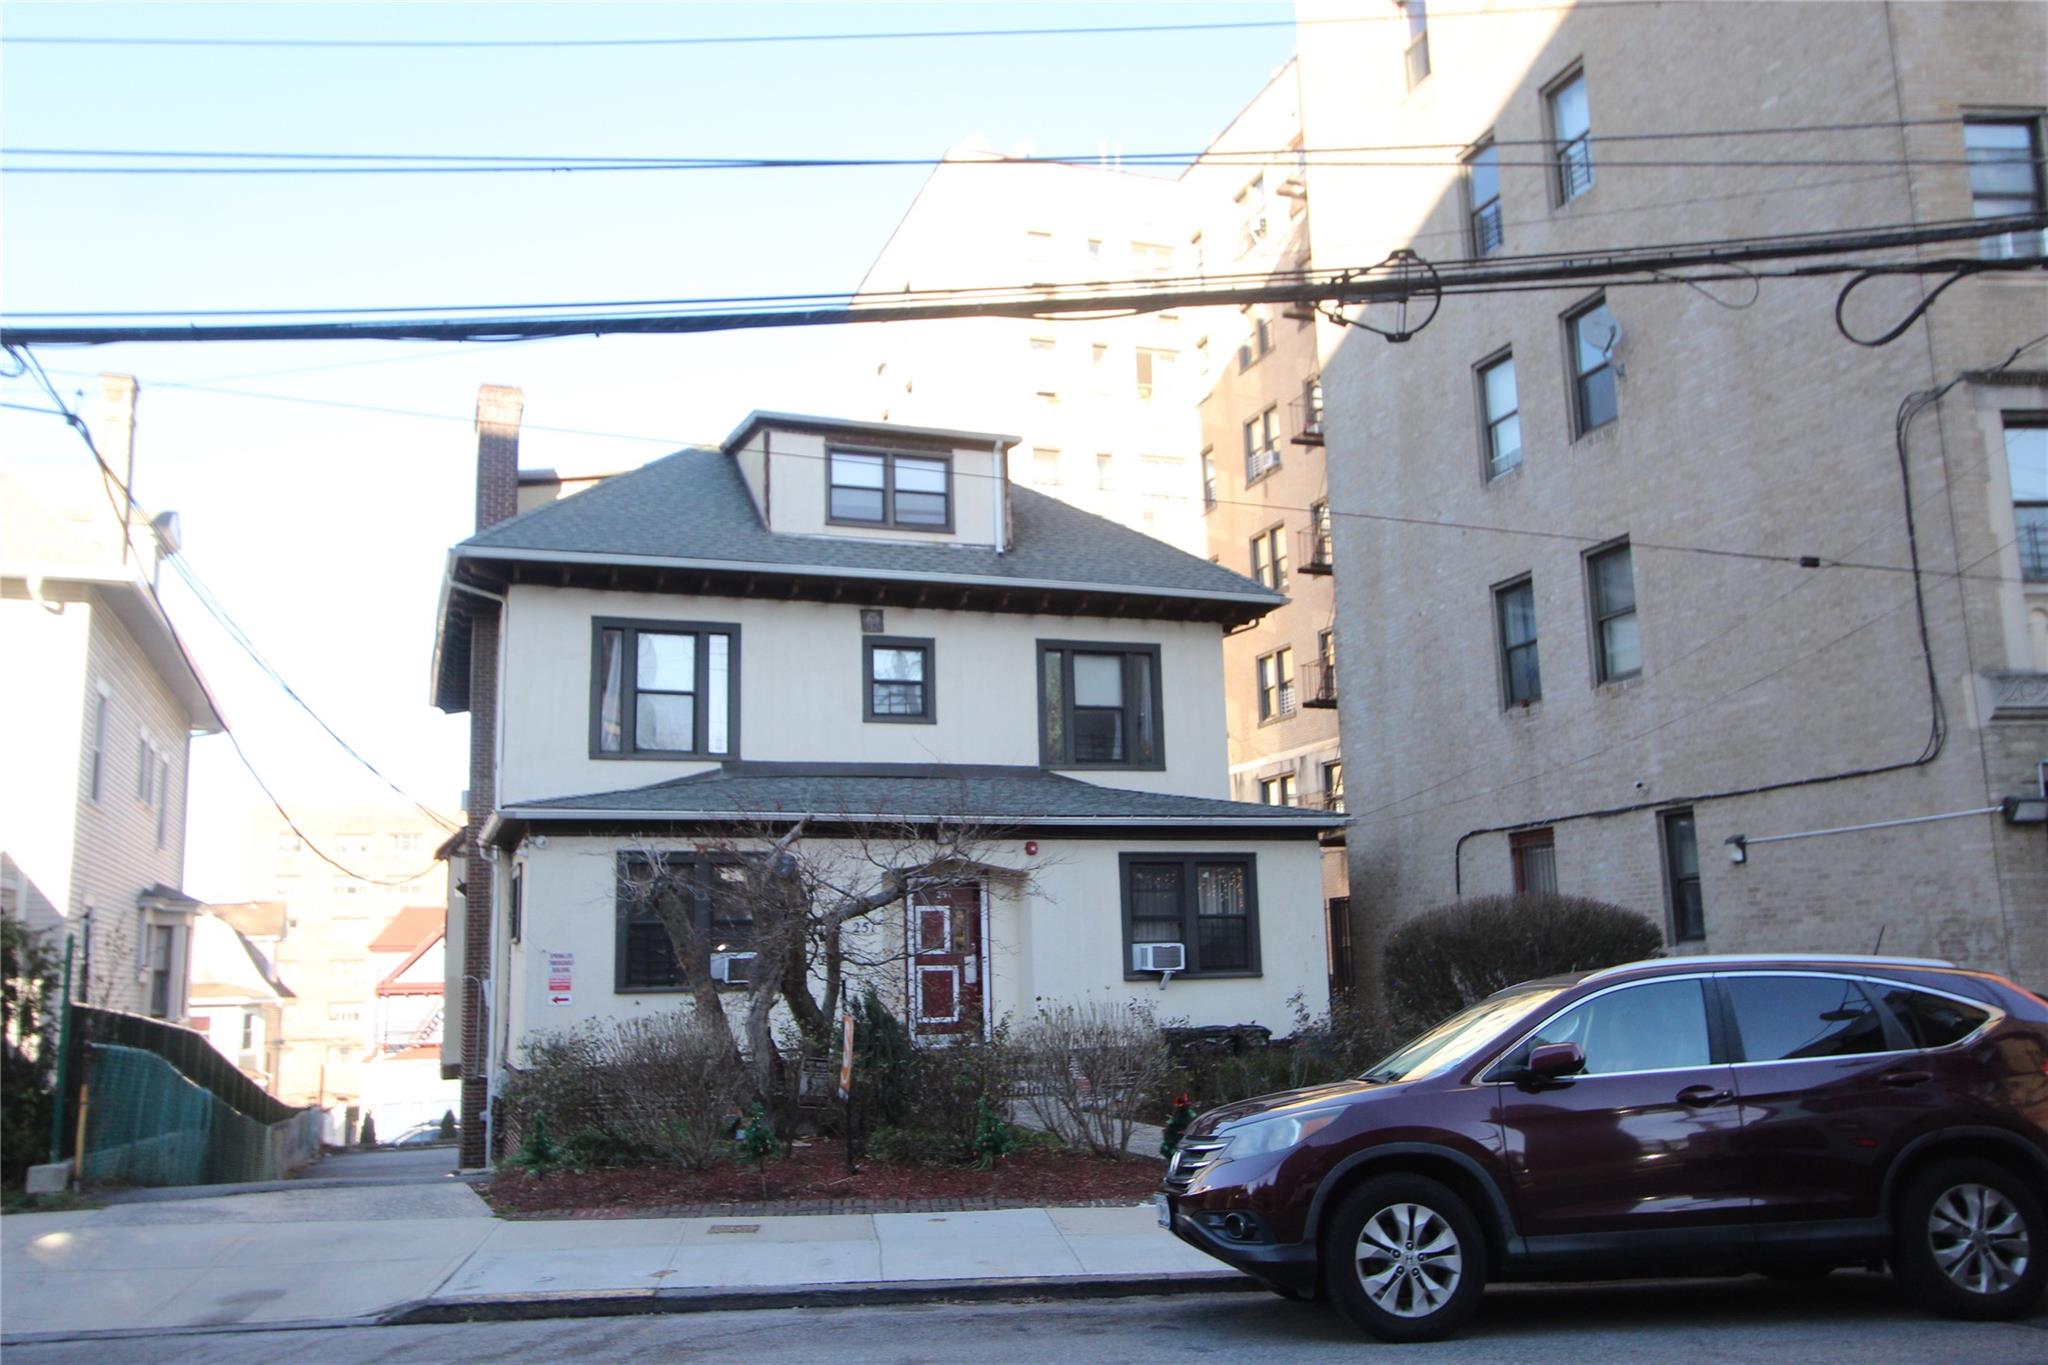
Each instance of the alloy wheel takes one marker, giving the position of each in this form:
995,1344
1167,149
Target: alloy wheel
1409,1261
1978,1238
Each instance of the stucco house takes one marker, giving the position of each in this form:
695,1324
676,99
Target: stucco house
858,625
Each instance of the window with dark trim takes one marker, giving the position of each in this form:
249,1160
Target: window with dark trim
1571,136
712,892
1591,335
1532,853
1333,785
163,800
1276,684
1482,189
1278,791
897,680
1514,609
1500,415
99,745
890,488
1208,903
1269,558
664,689
1611,590
1682,875
1099,705
1261,453
515,909
2006,180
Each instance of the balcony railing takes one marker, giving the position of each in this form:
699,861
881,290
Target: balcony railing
1333,802
1314,555
1307,415
2033,542
1319,686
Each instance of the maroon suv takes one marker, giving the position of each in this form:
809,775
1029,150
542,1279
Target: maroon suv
1683,1116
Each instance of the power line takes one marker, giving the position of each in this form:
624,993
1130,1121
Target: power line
1295,156
122,515
736,40
1386,282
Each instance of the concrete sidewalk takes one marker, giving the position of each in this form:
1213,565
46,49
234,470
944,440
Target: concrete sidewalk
417,1253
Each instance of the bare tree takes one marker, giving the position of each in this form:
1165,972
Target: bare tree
794,890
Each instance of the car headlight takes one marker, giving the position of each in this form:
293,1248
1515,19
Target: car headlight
1276,1134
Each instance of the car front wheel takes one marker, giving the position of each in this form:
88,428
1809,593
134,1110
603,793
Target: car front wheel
1971,1239
1405,1259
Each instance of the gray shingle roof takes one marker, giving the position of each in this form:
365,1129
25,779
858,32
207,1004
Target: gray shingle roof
1010,795
693,506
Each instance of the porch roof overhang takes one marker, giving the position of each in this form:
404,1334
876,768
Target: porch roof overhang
1007,801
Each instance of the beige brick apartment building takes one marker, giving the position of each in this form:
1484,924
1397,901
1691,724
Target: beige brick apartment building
1757,753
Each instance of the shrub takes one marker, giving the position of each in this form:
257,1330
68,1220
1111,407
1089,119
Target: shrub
367,1136
913,1146
447,1133
950,1082
1450,957
1087,1071
29,993
665,1087
884,1067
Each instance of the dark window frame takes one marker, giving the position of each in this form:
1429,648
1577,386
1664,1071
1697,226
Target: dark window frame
1488,422
631,628
1065,760
1520,844
1565,184
623,922
1579,378
1416,51
1476,208
1189,863
2001,246
1688,919
1597,618
922,644
888,456
515,907
1261,443
1504,651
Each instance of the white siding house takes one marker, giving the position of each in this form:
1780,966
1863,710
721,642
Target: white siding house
857,626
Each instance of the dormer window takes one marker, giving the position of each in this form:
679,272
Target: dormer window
890,488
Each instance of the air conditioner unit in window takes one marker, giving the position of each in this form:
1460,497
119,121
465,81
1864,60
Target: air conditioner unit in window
734,969
1159,957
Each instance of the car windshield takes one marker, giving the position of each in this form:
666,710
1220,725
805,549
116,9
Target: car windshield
1459,1036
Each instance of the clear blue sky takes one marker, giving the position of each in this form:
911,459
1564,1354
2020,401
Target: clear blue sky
323,528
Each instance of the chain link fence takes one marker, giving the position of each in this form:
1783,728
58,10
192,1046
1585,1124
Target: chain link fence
146,1124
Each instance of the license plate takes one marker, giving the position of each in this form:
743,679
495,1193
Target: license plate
1163,1209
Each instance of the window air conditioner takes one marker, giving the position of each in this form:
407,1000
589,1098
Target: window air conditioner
734,969
1159,957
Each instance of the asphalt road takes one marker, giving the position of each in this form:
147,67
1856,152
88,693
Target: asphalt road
1856,1318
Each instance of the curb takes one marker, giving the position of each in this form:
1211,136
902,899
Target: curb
647,1302
873,1294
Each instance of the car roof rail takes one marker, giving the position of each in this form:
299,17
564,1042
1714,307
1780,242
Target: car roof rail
1724,959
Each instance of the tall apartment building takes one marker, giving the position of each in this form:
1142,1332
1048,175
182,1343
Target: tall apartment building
1266,506
1587,695
333,942
1104,405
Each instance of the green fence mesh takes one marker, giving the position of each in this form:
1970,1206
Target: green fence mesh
147,1125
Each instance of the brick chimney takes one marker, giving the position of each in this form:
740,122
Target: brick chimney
498,409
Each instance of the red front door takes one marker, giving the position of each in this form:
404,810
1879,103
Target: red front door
944,929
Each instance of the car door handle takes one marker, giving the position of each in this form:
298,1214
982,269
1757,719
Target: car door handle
1906,1078
1703,1096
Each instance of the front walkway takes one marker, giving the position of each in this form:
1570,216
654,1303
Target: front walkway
367,1252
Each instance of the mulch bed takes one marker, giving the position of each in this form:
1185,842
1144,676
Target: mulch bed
813,1179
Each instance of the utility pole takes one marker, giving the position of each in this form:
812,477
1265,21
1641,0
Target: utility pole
117,419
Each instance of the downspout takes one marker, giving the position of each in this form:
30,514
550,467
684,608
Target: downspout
999,453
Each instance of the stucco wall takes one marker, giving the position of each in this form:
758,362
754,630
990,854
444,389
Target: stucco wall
800,690
1055,935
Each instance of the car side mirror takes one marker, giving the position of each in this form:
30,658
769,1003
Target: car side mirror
1555,1061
